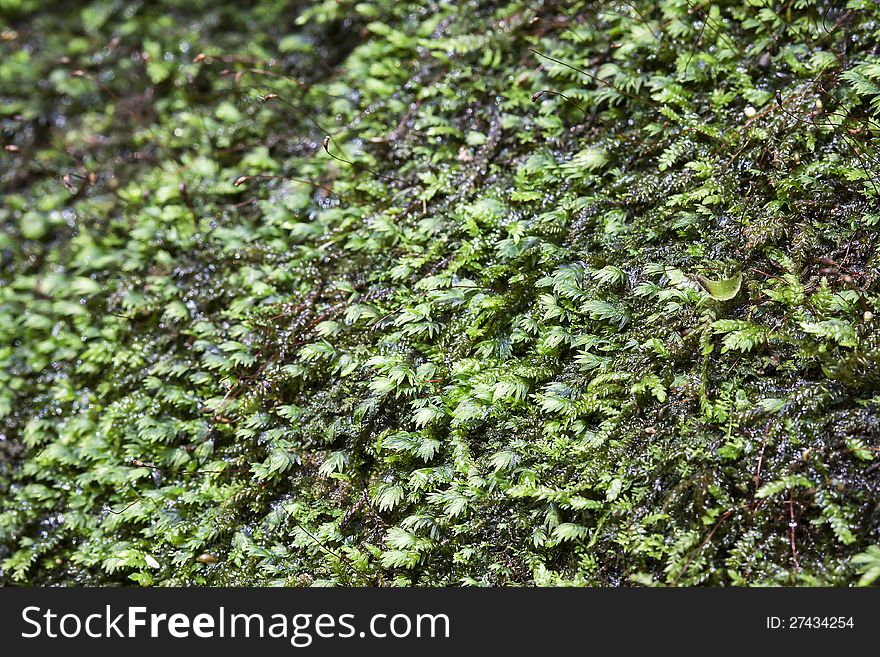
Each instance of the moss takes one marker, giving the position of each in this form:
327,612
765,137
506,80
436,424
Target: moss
439,294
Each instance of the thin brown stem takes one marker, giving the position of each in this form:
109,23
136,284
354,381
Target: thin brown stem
355,165
596,78
792,525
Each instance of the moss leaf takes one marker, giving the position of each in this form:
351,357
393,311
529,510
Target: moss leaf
721,290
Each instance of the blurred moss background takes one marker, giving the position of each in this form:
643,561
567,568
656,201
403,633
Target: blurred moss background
439,293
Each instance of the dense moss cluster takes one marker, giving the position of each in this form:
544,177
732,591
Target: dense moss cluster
439,293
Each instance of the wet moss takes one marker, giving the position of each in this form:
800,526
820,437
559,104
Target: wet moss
431,294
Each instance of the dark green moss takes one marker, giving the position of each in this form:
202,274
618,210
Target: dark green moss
471,338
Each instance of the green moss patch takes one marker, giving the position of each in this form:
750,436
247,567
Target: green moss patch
439,293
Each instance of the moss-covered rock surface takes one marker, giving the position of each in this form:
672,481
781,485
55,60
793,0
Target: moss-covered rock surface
439,293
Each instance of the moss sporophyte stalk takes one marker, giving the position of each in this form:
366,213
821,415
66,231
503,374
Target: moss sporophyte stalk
439,293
